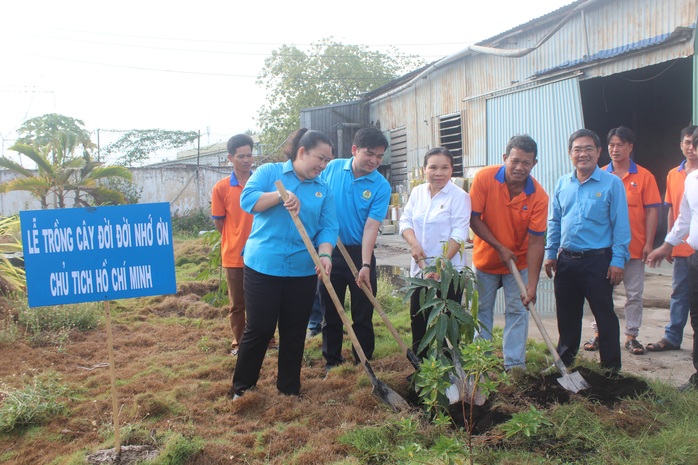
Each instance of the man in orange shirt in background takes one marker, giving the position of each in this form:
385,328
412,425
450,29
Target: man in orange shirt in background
509,217
234,224
679,305
644,201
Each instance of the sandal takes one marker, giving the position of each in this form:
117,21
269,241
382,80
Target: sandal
592,344
634,347
661,346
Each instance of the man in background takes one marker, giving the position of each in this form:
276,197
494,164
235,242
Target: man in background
234,224
679,304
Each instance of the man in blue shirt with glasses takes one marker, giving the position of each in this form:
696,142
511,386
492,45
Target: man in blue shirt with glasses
587,247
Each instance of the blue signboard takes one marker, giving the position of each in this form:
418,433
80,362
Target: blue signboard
89,254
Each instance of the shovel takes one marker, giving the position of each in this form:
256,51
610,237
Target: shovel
380,390
462,387
573,382
407,351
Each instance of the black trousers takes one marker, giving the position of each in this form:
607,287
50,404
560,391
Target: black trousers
693,276
272,299
361,308
585,278
419,319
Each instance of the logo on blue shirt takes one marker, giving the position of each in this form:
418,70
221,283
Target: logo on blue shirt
367,194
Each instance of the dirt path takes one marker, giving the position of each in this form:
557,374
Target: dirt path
673,367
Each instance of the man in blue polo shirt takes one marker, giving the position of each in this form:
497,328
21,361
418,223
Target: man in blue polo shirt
587,247
361,196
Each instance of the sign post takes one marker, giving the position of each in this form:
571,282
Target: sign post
75,255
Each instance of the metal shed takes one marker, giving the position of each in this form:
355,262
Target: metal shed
594,63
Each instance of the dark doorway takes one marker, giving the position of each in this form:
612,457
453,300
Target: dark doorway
655,102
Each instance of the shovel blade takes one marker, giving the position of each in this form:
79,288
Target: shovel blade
383,392
573,382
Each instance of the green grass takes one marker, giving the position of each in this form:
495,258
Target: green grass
39,398
49,323
9,332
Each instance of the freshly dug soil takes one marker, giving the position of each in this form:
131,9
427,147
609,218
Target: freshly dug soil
543,391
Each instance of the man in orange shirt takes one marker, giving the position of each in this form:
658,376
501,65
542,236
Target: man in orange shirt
509,217
679,304
644,201
235,225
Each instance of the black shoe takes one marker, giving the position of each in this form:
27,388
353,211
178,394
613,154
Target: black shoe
688,386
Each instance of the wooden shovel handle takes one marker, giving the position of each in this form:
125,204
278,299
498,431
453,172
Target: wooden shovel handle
532,308
325,279
371,297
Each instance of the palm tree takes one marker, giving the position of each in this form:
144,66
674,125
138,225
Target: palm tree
60,172
12,278
38,184
87,181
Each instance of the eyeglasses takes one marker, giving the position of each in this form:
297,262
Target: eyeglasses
588,150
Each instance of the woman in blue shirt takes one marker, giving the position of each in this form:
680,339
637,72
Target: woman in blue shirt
280,277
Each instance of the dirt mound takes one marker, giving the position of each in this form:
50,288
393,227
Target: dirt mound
543,391
185,306
198,288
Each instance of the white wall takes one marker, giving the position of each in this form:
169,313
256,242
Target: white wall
179,185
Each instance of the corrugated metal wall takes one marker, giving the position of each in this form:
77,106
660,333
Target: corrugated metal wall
547,113
339,122
603,30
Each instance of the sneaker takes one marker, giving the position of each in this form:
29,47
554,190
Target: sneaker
234,352
311,333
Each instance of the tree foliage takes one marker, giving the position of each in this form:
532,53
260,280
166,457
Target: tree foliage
330,72
46,129
136,145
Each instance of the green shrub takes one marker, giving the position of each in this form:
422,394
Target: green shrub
8,331
31,404
52,325
192,223
389,298
83,317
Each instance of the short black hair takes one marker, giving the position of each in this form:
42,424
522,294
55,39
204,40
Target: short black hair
239,140
370,138
438,151
623,133
523,142
688,132
695,139
584,133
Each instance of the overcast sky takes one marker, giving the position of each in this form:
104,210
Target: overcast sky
192,65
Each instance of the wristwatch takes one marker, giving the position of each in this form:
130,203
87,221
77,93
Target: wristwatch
366,265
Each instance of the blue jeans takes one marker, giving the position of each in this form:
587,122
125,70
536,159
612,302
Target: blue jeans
316,314
679,304
515,314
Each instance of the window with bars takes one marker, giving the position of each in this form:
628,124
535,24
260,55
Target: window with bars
451,137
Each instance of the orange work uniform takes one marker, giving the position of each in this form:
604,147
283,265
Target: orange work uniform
641,192
225,204
511,220
675,180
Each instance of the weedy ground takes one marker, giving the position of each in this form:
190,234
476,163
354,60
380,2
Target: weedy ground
173,373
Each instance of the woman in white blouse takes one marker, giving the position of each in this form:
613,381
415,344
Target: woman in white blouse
437,213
